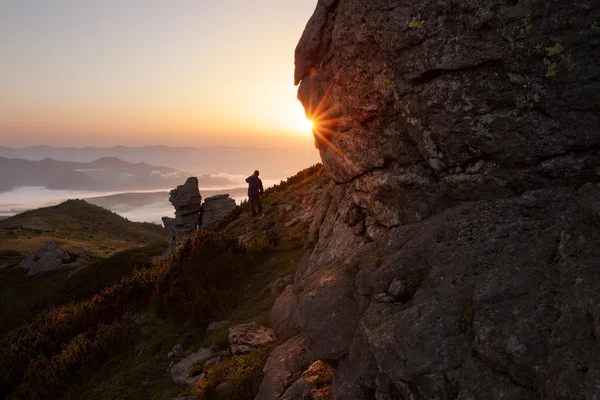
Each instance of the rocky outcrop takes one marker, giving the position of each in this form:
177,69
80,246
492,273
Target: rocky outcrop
190,214
186,199
244,337
215,208
456,255
48,258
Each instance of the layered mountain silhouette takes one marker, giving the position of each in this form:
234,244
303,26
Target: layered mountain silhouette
207,160
103,174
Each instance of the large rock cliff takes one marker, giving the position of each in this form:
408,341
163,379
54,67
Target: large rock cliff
459,252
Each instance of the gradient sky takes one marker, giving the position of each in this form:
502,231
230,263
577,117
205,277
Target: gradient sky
143,72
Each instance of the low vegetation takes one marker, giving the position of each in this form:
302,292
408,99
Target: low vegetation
25,296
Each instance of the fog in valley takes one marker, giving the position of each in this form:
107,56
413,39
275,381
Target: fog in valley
133,182
136,206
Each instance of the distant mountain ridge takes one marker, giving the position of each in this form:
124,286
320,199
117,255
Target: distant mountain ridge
103,174
277,163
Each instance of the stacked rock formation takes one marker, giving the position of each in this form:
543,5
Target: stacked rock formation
458,255
186,199
215,208
190,213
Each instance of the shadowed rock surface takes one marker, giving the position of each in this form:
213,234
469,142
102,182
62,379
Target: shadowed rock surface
215,208
48,258
186,199
284,367
284,314
457,254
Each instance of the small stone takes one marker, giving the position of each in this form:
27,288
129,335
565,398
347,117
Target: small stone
170,355
178,350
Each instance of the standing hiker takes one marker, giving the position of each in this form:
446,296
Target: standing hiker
255,190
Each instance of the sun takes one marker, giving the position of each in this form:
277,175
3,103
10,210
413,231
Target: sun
307,125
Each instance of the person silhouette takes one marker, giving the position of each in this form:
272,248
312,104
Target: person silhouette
255,190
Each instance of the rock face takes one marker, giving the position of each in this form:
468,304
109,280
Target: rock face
457,254
284,314
186,199
284,366
48,258
215,208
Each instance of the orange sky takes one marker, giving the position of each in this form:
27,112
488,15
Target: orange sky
143,72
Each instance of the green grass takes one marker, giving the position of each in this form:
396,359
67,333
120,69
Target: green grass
77,226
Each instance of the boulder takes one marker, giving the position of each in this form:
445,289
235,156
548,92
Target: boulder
48,258
244,337
284,366
284,314
215,208
186,199
182,371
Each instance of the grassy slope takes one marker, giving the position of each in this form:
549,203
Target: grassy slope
22,296
143,370
140,372
143,374
77,226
